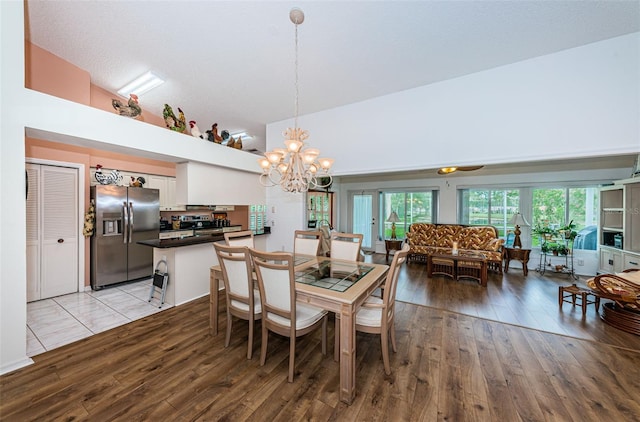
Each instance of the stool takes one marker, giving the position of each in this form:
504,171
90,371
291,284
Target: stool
442,266
575,292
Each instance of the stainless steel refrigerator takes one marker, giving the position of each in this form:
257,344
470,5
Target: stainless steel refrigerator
124,216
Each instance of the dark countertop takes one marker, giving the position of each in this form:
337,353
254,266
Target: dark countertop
184,241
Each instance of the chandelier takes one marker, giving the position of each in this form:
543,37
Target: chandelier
297,167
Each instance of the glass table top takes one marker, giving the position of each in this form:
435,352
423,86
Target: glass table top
332,275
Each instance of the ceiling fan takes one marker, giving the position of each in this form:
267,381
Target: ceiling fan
449,170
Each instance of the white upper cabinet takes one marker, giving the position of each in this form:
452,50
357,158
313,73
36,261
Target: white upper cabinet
203,184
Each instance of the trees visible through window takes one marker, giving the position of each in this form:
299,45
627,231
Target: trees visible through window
492,207
411,207
558,207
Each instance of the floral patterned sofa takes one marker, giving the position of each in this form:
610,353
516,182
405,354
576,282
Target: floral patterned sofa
427,238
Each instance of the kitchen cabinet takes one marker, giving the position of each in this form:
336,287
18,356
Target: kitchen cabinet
167,187
203,184
619,226
630,261
610,260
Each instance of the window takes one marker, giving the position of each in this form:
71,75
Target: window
411,207
557,207
319,209
257,218
489,207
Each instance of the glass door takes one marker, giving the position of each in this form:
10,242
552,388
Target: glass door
363,206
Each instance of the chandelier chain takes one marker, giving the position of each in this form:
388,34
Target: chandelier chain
295,122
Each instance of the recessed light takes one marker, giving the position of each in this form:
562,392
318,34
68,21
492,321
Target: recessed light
139,86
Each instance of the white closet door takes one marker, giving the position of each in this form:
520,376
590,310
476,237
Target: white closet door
52,231
60,230
33,233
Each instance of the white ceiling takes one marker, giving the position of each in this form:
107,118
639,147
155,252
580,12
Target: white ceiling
232,62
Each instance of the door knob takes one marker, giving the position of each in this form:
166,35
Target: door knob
60,240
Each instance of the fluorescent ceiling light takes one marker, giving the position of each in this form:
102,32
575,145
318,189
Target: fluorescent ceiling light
140,85
244,135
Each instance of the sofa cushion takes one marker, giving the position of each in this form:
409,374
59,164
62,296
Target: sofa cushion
446,234
476,238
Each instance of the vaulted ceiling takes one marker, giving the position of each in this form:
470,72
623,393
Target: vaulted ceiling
232,62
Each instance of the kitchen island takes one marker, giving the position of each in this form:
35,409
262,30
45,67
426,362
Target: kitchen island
189,260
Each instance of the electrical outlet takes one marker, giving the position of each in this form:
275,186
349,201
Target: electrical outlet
580,261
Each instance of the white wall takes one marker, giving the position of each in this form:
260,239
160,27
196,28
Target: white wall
576,103
13,296
582,102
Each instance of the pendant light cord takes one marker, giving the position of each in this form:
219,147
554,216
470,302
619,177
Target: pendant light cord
295,123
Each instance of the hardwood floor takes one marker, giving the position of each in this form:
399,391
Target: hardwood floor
454,364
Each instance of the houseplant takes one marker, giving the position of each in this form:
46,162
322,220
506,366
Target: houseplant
568,231
545,232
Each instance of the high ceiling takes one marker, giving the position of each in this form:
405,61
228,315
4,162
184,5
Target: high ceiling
232,62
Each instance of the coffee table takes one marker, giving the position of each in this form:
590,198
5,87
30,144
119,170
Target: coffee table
464,264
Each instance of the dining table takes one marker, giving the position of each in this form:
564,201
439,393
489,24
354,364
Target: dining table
334,285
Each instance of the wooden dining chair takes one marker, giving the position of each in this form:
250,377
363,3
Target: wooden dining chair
243,301
281,313
346,246
306,242
376,315
243,238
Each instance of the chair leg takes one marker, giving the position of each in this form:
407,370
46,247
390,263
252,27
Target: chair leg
336,346
392,330
324,335
250,346
227,339
384,344
263,348
292,356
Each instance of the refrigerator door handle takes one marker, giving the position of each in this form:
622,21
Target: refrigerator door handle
130,221
125,211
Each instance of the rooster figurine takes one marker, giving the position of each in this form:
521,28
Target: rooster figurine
107,179
137,182
195,131
173,123
132,110
212,134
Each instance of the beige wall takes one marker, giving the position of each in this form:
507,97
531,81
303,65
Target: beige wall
48,73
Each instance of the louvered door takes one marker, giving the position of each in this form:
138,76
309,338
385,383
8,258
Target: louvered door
52,231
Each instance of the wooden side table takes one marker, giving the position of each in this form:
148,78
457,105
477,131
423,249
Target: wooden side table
518,254
392,245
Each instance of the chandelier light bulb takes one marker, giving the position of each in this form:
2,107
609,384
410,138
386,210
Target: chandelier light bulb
264,163
274,157
326,163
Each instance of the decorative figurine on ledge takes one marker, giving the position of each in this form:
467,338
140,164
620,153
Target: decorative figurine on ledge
107,179
195,131
172,122
212,134
137,182
132,110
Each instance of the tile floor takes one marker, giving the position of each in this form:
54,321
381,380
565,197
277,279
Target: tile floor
64,319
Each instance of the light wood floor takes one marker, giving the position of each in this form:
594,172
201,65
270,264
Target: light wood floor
451,365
